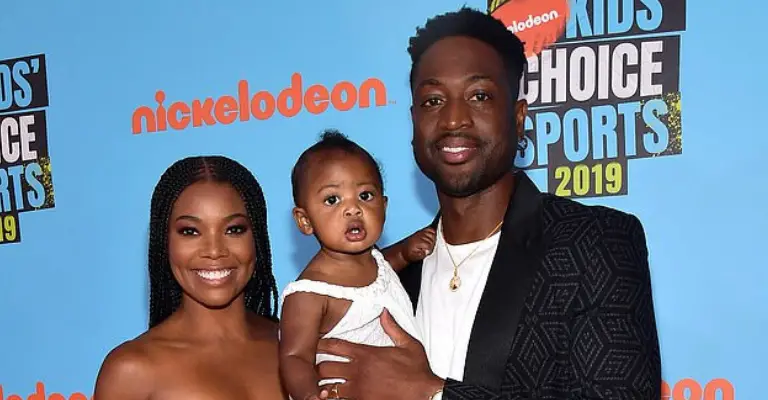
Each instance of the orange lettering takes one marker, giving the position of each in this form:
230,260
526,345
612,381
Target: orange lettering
39,392
202,112
679,392
224,108
160,113
176,122
148,115
379,93
294,93
269,107
351,95
726,390
289,102
689,389
665,391
316,99
242,96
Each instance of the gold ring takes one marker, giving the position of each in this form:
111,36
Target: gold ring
335,391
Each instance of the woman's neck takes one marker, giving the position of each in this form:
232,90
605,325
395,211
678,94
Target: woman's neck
209,324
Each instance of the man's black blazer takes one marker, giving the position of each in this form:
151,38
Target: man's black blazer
567,312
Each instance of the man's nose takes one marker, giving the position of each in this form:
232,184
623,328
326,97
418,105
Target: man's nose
455,115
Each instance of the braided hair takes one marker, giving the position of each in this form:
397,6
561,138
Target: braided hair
165,291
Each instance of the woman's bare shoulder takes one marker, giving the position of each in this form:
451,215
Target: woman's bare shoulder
264,328
127,371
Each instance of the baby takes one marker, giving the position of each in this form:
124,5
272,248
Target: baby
339,197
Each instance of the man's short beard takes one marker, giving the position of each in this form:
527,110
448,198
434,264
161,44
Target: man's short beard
471,183
461,186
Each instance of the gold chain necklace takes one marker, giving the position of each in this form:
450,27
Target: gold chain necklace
456,281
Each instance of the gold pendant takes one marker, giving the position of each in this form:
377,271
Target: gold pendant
455,283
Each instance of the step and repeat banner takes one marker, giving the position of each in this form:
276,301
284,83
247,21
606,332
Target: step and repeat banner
648,106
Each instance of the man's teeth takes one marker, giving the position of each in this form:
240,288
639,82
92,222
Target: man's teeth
214,275
355,230
454,149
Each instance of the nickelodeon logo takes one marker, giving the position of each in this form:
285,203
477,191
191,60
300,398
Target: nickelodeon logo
689,389
40,395
685,389
531,22
538,23
262,105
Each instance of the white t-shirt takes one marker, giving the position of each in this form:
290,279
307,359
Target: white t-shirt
445,318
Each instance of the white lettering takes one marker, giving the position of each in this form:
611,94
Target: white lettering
556,73
600,71
532,21
582,83
648,67
618,75
12,150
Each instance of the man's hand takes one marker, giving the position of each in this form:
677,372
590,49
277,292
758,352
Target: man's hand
419,245
374,373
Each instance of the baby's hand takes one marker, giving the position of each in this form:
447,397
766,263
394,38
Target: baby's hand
419,245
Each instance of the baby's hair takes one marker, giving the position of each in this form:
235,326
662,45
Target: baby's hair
330,139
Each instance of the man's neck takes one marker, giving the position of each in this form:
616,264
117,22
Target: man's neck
473,218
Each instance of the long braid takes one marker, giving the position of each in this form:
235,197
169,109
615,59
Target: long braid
165,293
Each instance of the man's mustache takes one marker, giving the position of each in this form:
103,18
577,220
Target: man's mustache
461,135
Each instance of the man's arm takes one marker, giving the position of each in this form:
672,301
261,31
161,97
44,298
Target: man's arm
618,329
379,373
614,350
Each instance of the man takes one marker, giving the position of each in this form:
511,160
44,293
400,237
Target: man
554,304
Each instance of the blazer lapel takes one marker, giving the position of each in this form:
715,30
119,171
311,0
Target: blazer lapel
410,277
509,283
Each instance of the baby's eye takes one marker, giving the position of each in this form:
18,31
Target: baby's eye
331,200
366,196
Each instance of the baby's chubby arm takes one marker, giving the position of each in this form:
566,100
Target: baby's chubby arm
300,322
411,249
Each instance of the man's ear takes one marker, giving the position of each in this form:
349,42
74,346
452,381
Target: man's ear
302,221
521,110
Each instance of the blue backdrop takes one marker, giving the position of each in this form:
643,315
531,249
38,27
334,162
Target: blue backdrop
74,197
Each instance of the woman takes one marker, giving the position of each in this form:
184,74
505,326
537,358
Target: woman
212,315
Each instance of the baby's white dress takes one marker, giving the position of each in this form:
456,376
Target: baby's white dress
361,323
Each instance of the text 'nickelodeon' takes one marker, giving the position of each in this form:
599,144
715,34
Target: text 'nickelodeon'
226,109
